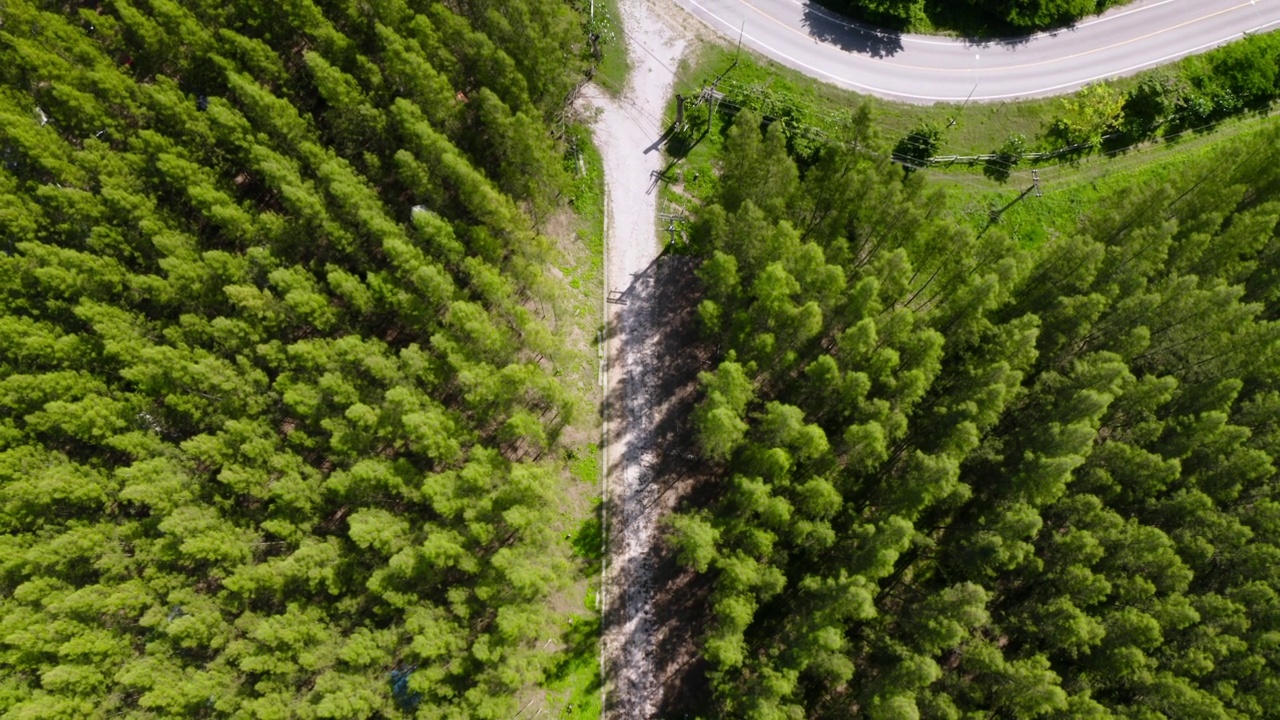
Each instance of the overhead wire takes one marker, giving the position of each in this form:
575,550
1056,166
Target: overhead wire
661,123
996,159
1059,170
657,123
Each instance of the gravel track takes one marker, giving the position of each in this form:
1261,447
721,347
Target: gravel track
627,131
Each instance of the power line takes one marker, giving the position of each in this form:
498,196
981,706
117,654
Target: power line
627,40
1144,166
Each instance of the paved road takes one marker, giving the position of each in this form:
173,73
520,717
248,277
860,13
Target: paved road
927,69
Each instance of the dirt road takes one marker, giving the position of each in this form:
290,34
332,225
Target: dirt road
628,131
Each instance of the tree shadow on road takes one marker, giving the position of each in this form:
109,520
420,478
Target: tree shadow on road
668,292
862,37
849,35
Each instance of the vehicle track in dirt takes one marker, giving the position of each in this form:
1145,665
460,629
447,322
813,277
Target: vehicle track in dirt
628,130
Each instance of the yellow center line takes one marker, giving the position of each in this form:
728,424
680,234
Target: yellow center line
1053,61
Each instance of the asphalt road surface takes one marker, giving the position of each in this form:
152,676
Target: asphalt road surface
928,69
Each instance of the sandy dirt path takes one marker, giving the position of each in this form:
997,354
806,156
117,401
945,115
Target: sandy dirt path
628,131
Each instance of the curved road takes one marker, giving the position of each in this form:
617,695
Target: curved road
927,69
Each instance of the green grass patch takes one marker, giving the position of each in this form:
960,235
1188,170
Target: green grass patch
1069,185
1070,190
586,466
779,91
573,684
612,64
573,681
587,198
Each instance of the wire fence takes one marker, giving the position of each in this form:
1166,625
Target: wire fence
734,97
807,124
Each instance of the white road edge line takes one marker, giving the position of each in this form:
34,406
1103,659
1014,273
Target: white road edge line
1005,96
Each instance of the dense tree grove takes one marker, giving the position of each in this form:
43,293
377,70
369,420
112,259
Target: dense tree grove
278,366
1017,14
953,478
1235,78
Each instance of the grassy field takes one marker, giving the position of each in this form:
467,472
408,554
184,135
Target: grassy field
1068,186
1070,190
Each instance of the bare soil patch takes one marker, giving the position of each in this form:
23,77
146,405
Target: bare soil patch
652,609
657,609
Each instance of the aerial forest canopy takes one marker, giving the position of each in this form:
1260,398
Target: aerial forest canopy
954,477
279,369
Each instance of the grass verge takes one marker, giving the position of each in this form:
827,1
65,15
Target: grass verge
781,91
586,271
1068,185
574,680
1071,190
572,686
612,64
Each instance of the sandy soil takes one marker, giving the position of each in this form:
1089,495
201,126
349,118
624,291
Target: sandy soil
628,131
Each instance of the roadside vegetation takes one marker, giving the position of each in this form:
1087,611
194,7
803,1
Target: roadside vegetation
1236,80
574,681
1068,190
1122,124
956,475
971,18
609,46
295,321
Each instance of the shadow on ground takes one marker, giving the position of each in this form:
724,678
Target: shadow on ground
855,37
977,31
667,294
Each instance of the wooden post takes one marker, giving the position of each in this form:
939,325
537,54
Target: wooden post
711,114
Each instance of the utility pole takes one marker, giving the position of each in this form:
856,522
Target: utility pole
711,113
713,94
671,225
733,64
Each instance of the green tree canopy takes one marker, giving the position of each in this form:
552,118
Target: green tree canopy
979,480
